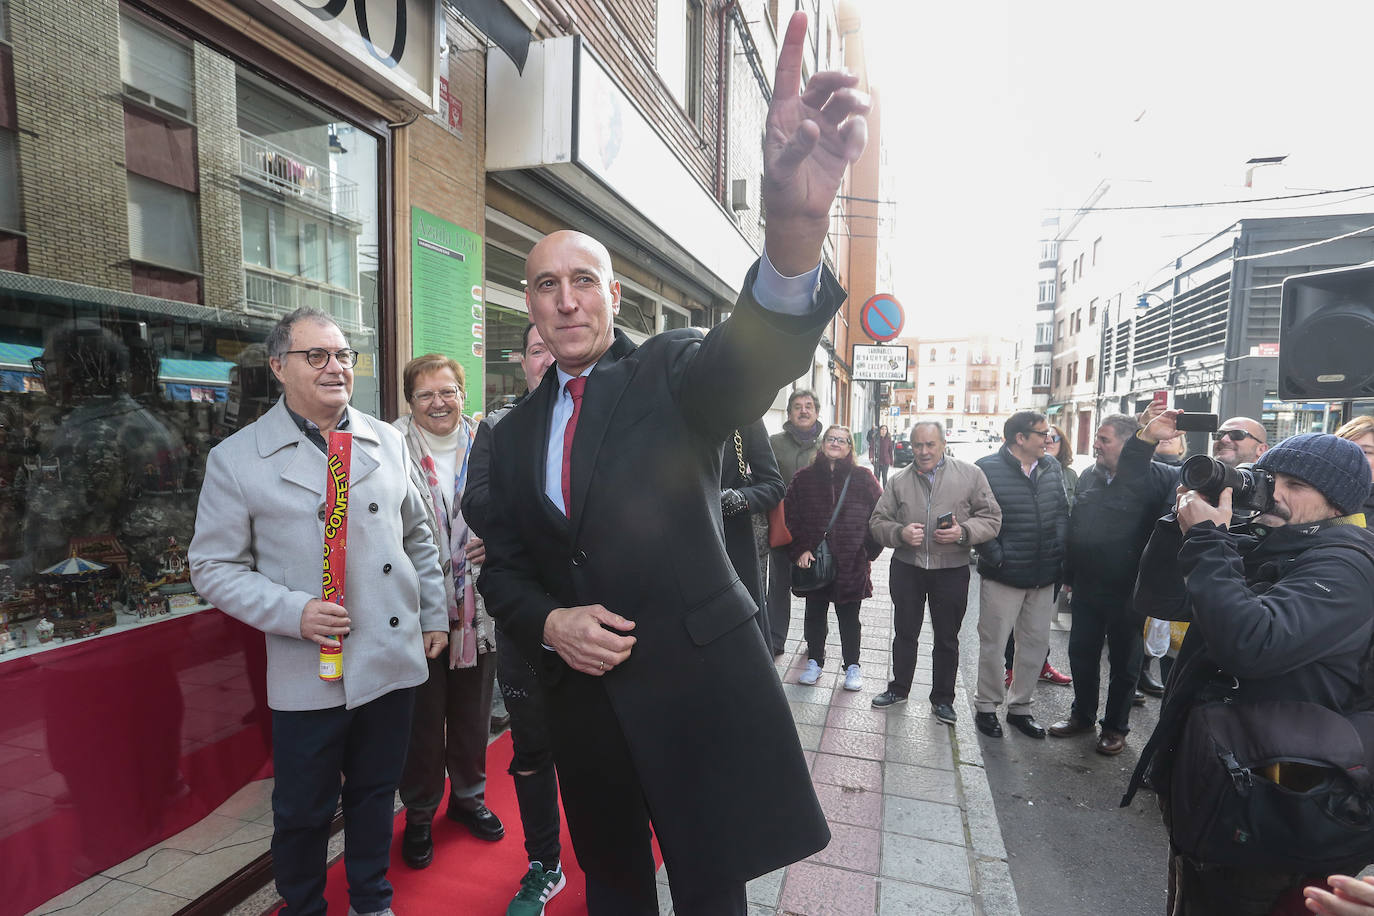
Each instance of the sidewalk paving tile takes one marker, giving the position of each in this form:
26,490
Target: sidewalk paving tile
819,890
926,752
848,772
926,819
921,861
844,805
921,782
857,720
853,847
897,898
868,745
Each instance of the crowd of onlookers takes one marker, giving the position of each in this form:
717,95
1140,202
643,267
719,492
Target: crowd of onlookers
1133,548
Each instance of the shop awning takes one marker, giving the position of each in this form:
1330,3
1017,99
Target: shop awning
195,371
17,356
1054,409
508,23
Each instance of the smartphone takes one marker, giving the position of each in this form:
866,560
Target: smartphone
945,521
1161,398
1197,422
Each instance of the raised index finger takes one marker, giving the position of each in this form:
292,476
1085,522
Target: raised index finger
787,79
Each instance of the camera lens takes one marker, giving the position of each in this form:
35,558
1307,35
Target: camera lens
1204,474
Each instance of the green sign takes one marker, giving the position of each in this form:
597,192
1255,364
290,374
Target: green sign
446,297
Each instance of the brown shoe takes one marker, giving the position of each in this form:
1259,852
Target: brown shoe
1110,743
1070,726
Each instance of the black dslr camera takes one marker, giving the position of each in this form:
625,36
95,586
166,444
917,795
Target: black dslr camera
1252,488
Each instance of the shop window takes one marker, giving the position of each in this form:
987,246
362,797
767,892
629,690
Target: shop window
162,225
156,69
675,318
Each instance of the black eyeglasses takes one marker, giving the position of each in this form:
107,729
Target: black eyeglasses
1235,435
836,440
318,357
1039,432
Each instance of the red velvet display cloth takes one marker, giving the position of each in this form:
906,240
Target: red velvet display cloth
112,744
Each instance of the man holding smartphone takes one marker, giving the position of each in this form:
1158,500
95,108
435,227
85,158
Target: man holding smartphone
932,513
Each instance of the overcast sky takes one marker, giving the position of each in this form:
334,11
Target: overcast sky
994,111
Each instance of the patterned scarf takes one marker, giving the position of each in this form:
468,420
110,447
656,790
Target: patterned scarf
464,627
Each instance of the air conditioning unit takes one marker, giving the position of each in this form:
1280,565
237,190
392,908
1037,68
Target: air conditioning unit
740,196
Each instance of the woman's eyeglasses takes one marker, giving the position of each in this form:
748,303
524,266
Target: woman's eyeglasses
426,397
836,440
1052,437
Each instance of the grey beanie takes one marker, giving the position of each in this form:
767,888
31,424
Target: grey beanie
1336,467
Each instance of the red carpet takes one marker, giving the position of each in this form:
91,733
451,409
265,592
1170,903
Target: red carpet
470,876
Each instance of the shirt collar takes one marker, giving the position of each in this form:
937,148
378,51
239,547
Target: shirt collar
564,378
311,431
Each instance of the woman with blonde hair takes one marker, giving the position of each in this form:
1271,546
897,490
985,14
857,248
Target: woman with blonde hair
1360,430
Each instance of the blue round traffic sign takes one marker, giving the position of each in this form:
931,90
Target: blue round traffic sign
882,317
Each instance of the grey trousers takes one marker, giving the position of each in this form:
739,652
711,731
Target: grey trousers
1003,609
779,597
448,734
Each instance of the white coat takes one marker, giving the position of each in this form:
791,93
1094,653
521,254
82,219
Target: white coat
258,552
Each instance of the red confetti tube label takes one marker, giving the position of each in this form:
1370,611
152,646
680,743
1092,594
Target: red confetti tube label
339,458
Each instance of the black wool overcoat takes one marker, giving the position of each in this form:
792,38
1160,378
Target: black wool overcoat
707,732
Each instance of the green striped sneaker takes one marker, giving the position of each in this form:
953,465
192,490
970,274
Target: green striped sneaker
537,888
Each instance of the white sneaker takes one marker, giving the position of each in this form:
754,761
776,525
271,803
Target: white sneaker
853,678
811,675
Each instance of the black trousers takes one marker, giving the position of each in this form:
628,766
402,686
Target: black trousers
531,766
1099,618
817,628
608,816
311,750
947,591
779,598
449,733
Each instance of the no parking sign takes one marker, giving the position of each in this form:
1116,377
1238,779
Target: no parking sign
882,317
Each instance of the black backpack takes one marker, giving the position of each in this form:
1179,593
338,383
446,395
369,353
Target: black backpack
1281,784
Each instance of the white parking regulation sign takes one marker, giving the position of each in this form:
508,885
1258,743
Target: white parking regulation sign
879,364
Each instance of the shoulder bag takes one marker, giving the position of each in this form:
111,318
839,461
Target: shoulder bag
821,572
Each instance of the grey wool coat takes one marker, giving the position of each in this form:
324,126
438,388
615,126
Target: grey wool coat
258,553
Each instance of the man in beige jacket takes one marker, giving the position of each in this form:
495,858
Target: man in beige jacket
931,559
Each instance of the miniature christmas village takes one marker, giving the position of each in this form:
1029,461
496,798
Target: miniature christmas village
93,589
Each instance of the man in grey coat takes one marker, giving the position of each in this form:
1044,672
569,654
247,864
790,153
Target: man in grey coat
794,448
257,555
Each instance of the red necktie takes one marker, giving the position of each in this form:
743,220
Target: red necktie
574,389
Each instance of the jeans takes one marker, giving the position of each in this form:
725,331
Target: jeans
1099,618
312,749
531,765
947,590
818,628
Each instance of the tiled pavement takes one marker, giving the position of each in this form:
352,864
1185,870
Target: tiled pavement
913,826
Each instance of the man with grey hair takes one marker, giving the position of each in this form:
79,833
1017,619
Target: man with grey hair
794,448
257,554
931,513
1114,511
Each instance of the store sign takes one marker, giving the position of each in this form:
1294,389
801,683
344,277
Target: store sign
879,364
390,45
446,293
565,113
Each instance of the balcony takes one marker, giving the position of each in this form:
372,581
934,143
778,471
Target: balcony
292,175
273,295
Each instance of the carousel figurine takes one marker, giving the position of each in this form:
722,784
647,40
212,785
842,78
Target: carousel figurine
44,629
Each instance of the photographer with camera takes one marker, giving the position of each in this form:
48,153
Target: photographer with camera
1276,657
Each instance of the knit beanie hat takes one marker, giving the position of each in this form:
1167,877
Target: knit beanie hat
1336,467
